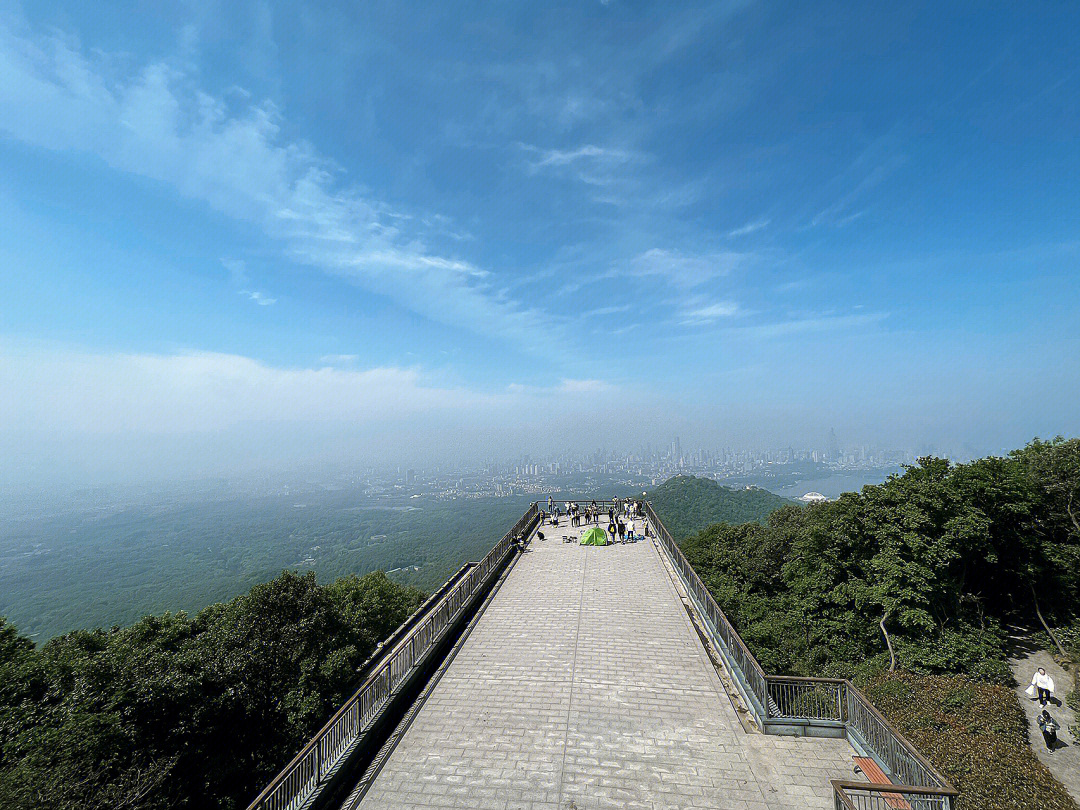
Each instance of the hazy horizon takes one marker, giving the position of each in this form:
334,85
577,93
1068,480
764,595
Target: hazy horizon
240,238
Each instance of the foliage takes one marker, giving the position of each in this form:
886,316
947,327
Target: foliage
687,504
89,570
177,712
933,563
975,734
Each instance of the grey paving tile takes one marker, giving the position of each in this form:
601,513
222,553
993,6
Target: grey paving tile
584,684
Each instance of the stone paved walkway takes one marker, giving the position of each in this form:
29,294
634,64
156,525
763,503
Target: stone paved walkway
1064,761
584,686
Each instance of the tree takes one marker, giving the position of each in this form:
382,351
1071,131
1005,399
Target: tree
176,712
1056,466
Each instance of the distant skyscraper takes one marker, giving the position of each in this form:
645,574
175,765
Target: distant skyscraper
832,446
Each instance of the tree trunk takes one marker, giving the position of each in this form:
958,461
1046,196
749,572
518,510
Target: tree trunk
1046,627
888,641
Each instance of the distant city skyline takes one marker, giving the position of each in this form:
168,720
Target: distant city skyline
250,236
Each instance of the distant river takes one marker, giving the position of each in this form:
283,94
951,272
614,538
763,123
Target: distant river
833,485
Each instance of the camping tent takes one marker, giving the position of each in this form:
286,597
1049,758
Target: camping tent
594,537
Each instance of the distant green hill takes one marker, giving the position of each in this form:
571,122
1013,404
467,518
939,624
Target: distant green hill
687,504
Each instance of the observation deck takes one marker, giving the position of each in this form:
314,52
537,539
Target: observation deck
570,677
584,681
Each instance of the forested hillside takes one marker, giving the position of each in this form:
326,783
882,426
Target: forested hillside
185,712
687,504
922,574
92,570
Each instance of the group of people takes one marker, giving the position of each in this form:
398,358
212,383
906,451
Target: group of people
625,518
1042,690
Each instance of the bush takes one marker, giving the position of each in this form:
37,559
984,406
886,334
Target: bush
185,712
975,734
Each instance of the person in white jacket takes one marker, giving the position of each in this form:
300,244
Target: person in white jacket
1044,686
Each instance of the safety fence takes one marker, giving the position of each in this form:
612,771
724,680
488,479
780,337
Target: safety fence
316,762
782,703
866,796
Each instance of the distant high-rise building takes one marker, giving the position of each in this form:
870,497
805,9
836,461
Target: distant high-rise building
832,446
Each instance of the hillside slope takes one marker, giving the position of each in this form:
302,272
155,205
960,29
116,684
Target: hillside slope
181,711
687,504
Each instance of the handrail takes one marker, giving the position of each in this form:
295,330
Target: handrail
309,769
748,672
831,701
851,795
904,759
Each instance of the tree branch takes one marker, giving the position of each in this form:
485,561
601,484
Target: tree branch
888,641
1046,627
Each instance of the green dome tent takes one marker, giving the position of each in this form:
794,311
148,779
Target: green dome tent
594,537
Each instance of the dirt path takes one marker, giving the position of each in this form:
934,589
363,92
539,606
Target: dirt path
1064,761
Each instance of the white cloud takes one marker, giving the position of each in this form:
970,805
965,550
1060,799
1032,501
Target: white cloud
839,212
711,312
238,274
563,157
750,227
230,154
686,270
594,165
823,323
601,311
74,390
258,298
339,359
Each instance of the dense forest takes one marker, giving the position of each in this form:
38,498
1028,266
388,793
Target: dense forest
99,568
687,504
91,569
925,573
177,711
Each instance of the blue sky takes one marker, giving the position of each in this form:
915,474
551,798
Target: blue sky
745,221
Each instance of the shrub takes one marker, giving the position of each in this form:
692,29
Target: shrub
975,734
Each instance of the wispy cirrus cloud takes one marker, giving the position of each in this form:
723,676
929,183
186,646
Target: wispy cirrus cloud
710,313
807,324
869,170
564,157
238,273
591,164
259,298
750,227
231,154
687,270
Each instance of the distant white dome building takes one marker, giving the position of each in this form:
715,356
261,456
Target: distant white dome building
813,497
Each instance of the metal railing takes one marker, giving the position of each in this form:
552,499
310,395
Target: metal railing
749,675
806,698
867,796
821,701
309,769
906,765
